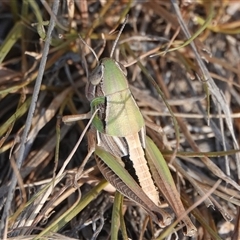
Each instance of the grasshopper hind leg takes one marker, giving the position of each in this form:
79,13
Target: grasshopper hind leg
159,216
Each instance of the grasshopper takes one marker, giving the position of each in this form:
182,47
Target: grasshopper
118,134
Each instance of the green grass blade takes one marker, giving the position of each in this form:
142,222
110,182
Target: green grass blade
117,218
10,40
20,112
116,215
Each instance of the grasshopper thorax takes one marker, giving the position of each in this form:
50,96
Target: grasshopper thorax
107,78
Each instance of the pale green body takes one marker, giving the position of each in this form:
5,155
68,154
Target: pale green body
122,115
120,134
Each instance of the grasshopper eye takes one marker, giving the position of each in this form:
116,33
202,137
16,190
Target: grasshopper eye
97,75
122,68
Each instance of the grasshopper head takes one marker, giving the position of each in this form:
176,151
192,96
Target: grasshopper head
107,78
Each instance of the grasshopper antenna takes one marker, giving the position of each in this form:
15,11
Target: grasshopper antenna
93,52
118,36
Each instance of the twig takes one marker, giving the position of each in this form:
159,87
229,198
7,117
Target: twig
21,155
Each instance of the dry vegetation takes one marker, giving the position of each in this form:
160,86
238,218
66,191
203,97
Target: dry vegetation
198,76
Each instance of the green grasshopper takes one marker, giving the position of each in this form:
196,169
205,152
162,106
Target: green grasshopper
118,134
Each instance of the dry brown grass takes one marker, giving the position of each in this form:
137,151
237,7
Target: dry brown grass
200,87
